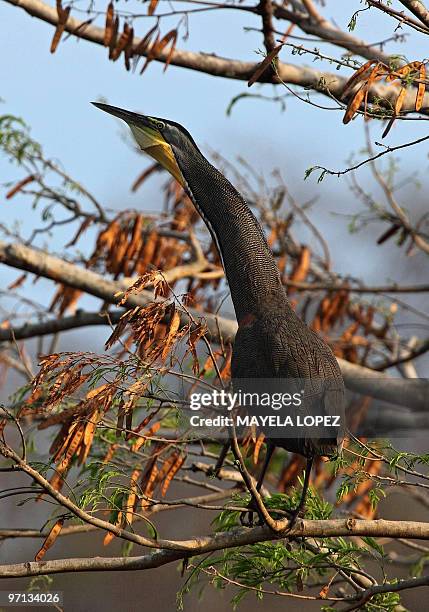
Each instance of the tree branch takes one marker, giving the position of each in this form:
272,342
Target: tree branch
418,9
313,12
266,12
410,393
55,326
93,564
324,82
400,16
418,240
405,357
324,30
197,501
401,585
304,286
238,537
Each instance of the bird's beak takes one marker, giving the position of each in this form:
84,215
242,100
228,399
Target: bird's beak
148,137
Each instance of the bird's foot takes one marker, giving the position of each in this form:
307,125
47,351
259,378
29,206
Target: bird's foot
247,518
299,512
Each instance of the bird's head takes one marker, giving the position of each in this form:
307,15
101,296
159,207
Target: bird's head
166,141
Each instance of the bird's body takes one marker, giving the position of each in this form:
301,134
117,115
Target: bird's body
272,342
279,345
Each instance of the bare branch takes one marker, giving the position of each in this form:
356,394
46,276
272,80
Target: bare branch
418,9
329,33
266,11
54,326
400,16
313,12
369,160
172,550
402,585
304,286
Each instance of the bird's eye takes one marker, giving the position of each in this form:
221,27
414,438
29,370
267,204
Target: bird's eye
160,125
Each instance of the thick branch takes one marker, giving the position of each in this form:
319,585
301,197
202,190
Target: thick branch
312,11
418,9
210,64
400,16
238,537
176,549
410,393
93,564
405,357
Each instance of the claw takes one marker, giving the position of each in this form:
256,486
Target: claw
299,512
247,518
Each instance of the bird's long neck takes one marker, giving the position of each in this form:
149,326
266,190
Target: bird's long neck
251,271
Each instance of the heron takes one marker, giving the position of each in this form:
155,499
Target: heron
272,341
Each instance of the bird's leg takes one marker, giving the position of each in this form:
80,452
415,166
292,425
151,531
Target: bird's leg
221,459
248,522
295,513
268,455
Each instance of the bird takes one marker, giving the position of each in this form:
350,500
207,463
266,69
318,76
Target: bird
272,342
